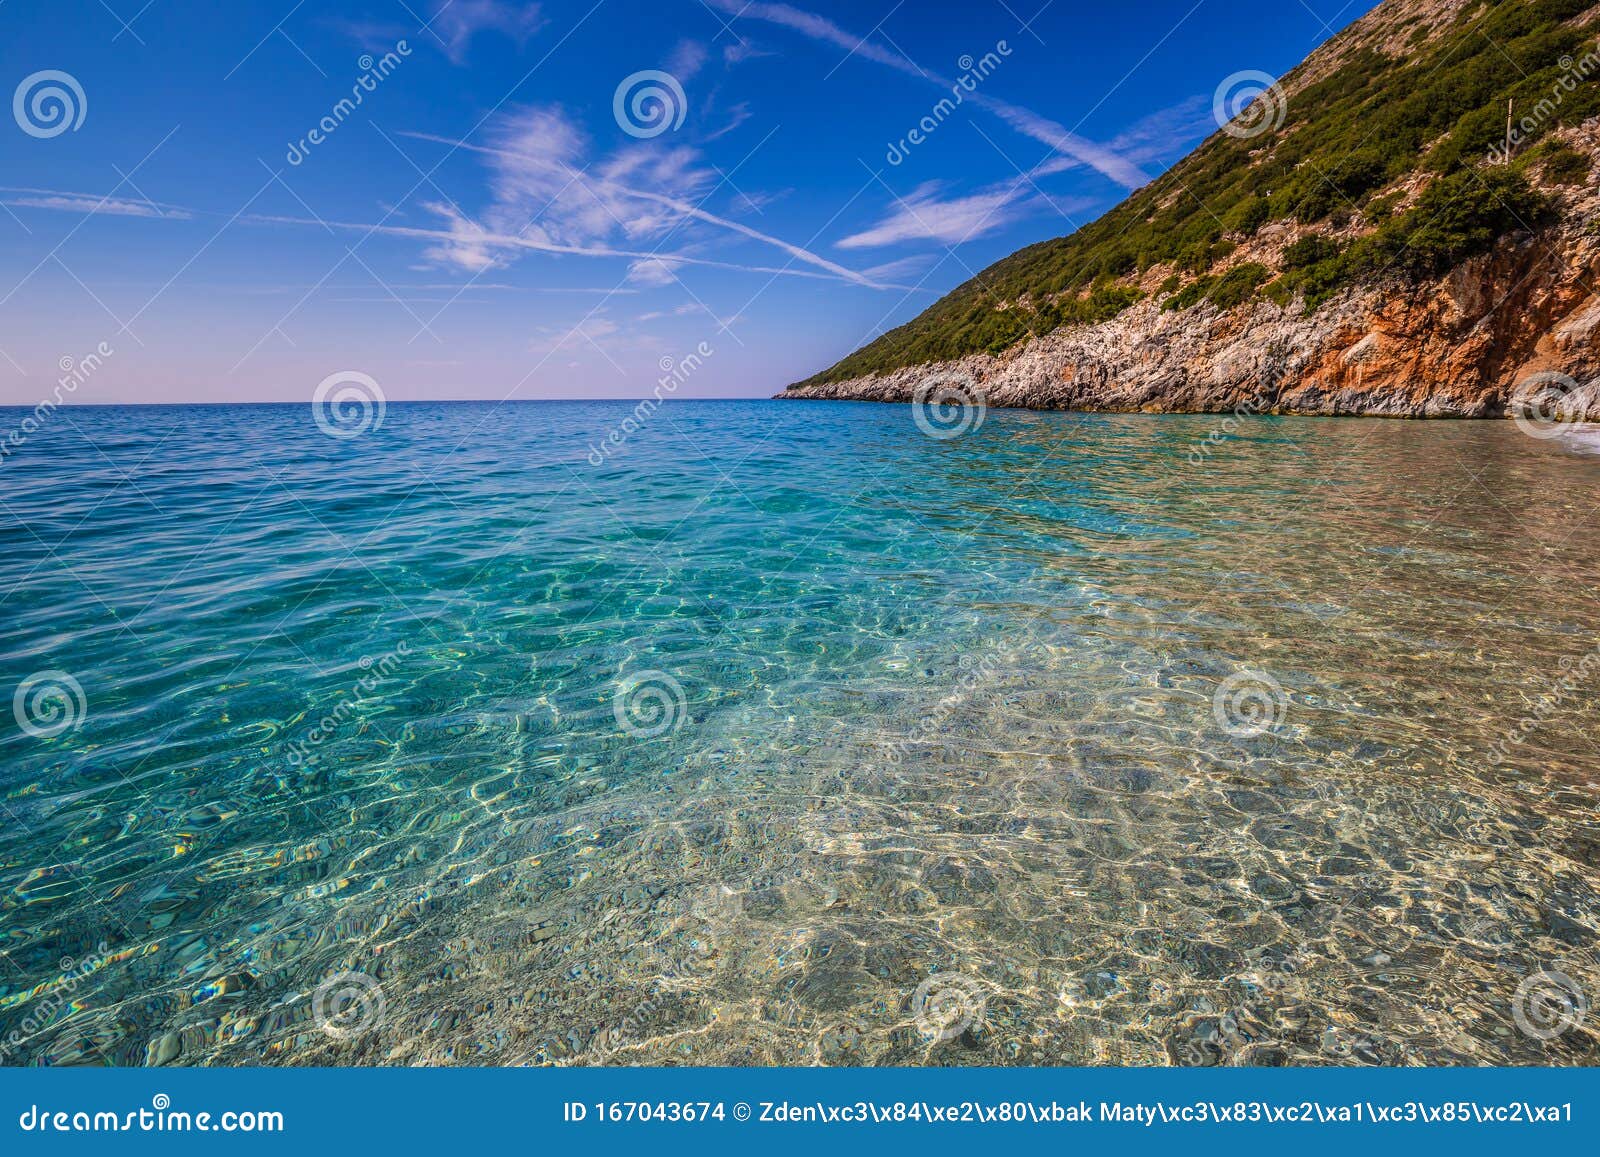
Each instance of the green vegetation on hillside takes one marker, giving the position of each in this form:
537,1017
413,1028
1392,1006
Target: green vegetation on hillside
1345,140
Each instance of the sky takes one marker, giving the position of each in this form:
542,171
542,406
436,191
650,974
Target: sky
563,199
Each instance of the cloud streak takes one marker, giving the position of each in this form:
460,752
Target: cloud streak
548,153
1042,129
530,244
458,21
922,216
90,204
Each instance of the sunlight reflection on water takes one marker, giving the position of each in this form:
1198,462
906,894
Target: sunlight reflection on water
717,752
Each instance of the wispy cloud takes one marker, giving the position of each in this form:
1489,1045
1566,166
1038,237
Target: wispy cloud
923,216
902,267
737,115
528,243
927,215
687,59
1168,134
91,204
741,50
690,309
467,245
653,271
1099,157
1158,139
592,329
544,189
442,292
745,201
456,22
451,25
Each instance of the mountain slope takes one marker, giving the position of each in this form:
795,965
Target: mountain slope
1359,242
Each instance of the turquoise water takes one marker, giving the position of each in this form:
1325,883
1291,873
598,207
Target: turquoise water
443,744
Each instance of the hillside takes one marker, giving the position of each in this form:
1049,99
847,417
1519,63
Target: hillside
1377,251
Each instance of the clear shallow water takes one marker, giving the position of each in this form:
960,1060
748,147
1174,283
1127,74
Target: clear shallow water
947,708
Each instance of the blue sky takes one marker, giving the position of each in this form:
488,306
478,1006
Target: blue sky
503,215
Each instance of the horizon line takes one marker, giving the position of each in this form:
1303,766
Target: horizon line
387,402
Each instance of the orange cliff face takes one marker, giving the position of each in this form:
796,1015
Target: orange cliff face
1466,343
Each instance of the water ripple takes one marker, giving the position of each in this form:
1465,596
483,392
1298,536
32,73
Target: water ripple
1281,754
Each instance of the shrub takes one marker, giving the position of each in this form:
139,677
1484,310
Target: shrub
1189,295
1238,285
1564,165
1309,251
1248,216
1458,216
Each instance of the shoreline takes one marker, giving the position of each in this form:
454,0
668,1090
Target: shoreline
1501,416
1483,340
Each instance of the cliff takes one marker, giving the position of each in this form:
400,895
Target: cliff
1444,276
